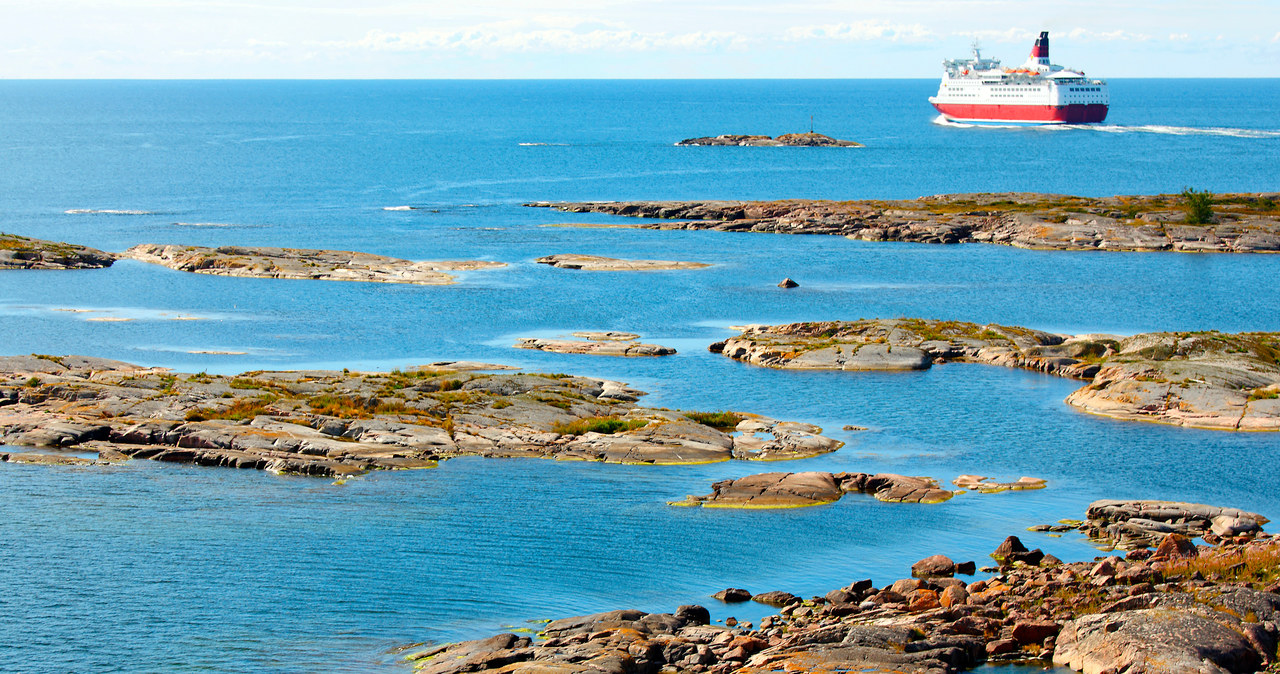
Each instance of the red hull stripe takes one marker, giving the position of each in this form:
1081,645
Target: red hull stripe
1050,114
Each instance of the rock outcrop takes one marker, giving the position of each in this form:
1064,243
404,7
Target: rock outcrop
1245,223
798,490
20,252
1198,379
1140,524
594,347
785,140
300,263
331,423
1109,615
598,263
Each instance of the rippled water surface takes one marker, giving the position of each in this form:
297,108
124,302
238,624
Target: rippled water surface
147,566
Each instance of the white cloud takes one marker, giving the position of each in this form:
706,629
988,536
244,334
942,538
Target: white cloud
1276,38
861,31
1179,37
1086,35
529,36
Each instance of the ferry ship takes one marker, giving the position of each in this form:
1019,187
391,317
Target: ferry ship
1037,92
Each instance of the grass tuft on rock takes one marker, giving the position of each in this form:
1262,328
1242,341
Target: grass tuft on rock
717,420
603,425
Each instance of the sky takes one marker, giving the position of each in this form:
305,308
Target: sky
625,38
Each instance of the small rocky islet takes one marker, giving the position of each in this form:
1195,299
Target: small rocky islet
302,263
599,263
798,490
1208,379
336,423
809,139
1241,223
1180,608
20,252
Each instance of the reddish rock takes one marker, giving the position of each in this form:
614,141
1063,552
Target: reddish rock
923,600
1176,546
1010,546
788,283
776,598
732,595
935,565
906,586
1002,647
1034,631
953,596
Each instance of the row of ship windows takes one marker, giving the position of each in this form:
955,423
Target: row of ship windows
1086,88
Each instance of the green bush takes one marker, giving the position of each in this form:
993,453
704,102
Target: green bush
1198,206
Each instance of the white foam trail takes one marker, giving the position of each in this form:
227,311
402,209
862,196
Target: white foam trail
1180,130
543,144
1120,128
105,211
398,208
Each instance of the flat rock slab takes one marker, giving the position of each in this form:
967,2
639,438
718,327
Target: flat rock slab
1213,380
301,263
798,490
1244,223
988,485
610,336
465,366
597,263
1132,524
595,348
20,252
338,423
785,140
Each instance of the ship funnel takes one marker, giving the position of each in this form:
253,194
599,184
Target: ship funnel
1041,48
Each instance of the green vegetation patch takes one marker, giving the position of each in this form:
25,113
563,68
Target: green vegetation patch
718,420
238,410
603,425
1198,205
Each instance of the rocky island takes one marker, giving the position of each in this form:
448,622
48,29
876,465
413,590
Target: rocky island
597,263
1198,379
1237,223
20,252
1181,608
299,263
335,423
785,140
596,347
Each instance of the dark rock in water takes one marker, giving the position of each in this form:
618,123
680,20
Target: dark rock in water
692,614
788,283
933,566
776,598
1011,545
732,595
966,568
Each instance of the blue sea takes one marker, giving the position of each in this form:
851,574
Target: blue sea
156,567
